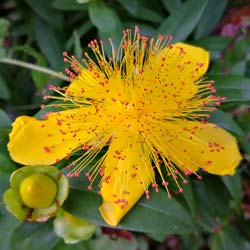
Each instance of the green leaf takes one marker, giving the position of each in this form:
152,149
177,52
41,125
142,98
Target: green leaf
7,165
148,14
228,238
163,215
172,5
77,45
4,119
39,236
210,17
214,44
181,23
225,121
131,6
212,202
4,90
7,225
103,17
45,10
83,29
234,88
68,5
40,79
4,27
49,43
233,184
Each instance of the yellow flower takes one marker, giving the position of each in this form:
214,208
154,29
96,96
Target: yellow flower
146,105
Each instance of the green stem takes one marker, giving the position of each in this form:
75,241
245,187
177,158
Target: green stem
34,67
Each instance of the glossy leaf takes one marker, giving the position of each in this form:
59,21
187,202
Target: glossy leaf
4,119
163,215
225,121
234,88
44,10
68,5
37,236
39,78
131,6
228,238
145,13
49,44
171,5
212,202
181,23
4,90
210,17
214,44
103,17
233,184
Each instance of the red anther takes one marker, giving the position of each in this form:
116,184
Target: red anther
45,97
185,182
181,190
65,53
51,87
76,174
165,184
69,175
42,106
87,174
199,177
169,196
46,149
208,162
90,188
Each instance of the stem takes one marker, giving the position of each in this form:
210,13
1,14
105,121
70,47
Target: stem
34,67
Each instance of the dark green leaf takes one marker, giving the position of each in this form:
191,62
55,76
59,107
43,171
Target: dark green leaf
227,238
181,23
4,27
68,5
214,44
83,29
224,120
234,88
163,215
210,17
45,10
103,17
39,236
40,79
4,119
77,45
7,165
4,90
172,5
212,201
130,5
147,14
49,44
189,196
233,184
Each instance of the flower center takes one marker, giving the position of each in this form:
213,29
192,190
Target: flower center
38,190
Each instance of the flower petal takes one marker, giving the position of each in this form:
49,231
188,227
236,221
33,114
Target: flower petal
46,141
128,173
193,145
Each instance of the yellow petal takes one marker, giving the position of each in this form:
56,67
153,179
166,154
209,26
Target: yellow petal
194,145
46,141
128,173
170,78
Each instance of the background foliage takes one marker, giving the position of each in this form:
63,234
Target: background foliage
211,214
